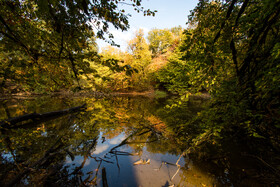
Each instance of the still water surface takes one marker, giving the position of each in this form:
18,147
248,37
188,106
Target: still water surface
120,141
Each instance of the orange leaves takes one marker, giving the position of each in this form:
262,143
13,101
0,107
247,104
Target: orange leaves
121,115
157,63
157,123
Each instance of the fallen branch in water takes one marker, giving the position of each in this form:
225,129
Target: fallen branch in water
164,163
123,153
98,159
11,122
178,165
176,173
104,178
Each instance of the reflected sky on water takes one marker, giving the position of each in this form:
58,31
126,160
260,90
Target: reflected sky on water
122,141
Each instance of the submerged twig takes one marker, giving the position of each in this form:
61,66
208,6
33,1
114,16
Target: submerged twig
162,163
119,168
177,163
96,159
123,153
176,172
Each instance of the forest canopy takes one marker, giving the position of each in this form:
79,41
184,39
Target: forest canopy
43,40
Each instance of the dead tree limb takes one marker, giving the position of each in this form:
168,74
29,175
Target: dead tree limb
11,122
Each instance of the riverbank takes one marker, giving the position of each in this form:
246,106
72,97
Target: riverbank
55,94
98,94
148,129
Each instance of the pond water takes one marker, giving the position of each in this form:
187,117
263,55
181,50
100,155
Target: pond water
119,141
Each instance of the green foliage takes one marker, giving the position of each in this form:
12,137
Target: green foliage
231,50
139,64
139,49
140,59
46,42
115,74
160,94
163,40
159,41
174,76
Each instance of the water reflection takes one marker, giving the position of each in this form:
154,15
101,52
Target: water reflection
108,139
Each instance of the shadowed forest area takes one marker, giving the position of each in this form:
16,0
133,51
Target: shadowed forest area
213,88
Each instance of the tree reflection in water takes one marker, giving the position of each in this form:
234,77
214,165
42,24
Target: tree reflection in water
116,141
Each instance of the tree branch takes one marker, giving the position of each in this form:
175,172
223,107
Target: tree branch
242,9
224,22
234,56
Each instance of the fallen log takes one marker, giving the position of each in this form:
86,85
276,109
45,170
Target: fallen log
11,122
